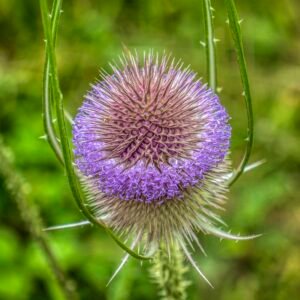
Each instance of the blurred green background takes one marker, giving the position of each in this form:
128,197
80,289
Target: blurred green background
265,200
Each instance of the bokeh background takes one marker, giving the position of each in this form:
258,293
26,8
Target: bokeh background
265,200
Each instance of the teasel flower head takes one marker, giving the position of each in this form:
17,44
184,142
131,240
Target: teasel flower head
152,144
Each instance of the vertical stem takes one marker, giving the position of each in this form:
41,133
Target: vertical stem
238,43
168,273
17,189
48,91
47,116
210,45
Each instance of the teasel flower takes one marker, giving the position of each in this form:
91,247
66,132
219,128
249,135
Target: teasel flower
151,143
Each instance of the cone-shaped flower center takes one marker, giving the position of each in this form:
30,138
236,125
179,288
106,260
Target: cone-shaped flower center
153,125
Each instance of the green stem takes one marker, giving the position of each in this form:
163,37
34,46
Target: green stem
210,45
238,43
17,189
48,91
47,116
168,273
67,156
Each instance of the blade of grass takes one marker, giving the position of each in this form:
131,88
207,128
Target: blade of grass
67,156
210,45
238,44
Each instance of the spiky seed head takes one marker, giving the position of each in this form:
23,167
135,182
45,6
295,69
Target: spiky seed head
151,142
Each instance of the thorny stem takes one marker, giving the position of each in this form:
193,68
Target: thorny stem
48,90
238,43
210,45
18,191
168,273
67,156
47,117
